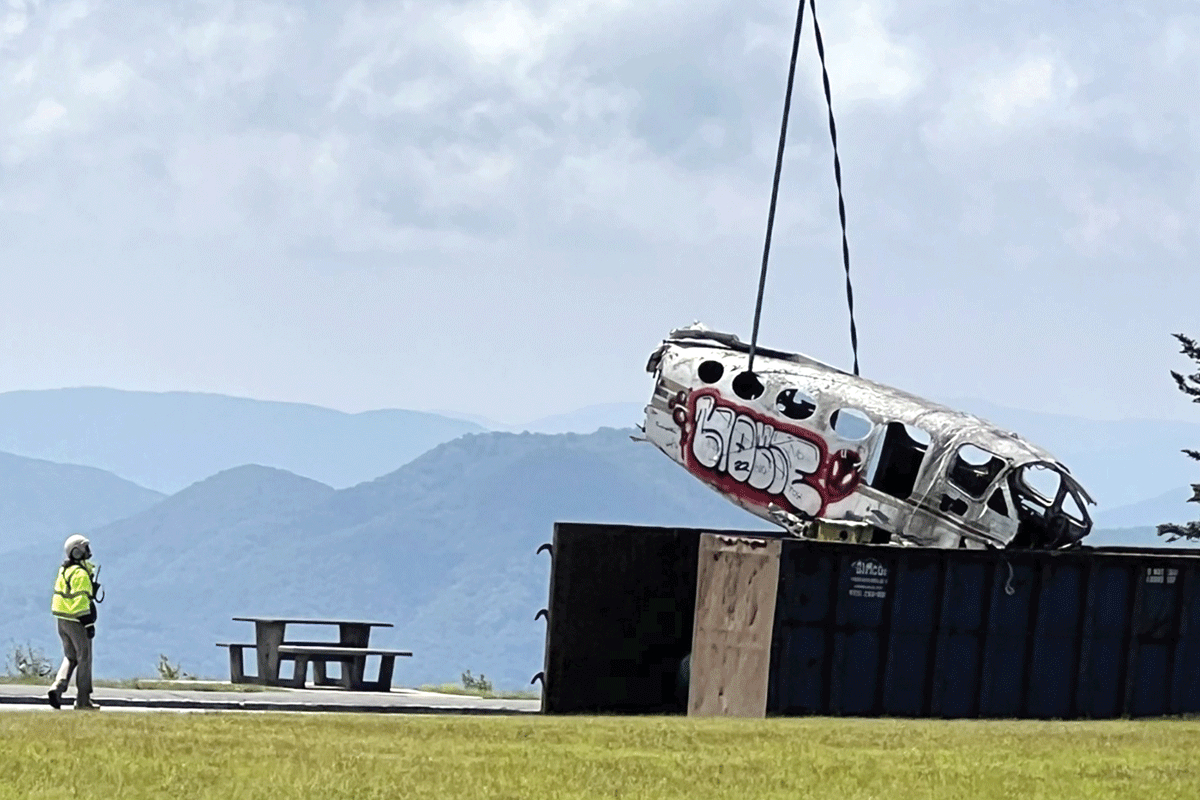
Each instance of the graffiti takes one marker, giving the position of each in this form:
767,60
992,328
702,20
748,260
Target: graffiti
759,460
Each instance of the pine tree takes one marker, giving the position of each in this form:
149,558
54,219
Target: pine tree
1189,385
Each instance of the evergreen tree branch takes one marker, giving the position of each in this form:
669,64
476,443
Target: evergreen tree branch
1186,387
1188,530
1190,348
1189,385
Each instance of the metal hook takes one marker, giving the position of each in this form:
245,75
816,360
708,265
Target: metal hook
547,546
541,676
540,614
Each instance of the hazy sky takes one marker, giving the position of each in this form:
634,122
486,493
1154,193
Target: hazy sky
500,207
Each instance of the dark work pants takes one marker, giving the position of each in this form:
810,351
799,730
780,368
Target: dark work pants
77,658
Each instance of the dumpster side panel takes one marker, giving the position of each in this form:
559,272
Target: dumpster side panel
802,642
882,630
620,620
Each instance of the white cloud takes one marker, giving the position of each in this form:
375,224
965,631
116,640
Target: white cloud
537,137
498,30
46,117
1026,90
867,62
1018,97
14,22
108,82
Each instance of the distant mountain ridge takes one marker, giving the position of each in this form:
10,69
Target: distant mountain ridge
169,440
1172,506
444,547
41,501
1119,462
443,544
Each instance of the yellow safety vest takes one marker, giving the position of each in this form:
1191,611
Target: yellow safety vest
72,592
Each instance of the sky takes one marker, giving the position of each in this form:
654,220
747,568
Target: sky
500,207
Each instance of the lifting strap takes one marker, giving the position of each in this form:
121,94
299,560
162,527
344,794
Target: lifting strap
837,174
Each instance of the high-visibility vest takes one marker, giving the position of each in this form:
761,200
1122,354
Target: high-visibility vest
72,592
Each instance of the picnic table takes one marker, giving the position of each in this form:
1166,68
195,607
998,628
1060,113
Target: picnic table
350,651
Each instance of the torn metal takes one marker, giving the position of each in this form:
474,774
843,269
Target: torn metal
812,448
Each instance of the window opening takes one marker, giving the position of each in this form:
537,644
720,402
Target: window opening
974,469
795,404
955,505
851,424
747,386
1044,481
711,371
899,459
997,502
1072,508
1048,511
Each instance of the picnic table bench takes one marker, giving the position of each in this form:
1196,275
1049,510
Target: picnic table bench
350,651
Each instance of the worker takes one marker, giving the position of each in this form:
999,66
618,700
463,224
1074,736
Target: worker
74,605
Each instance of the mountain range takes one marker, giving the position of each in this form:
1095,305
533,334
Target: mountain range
39,500
168,440
443,546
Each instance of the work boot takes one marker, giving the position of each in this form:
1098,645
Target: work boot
53,697
86,705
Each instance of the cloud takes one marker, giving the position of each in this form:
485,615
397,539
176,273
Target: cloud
608,150
48,115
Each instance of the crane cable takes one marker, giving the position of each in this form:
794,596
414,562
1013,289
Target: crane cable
837,174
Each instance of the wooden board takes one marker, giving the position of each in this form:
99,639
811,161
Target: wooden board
737,581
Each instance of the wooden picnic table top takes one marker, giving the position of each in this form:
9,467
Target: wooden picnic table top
306,621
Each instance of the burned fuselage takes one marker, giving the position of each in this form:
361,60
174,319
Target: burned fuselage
799,440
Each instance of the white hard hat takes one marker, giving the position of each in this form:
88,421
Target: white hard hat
76,542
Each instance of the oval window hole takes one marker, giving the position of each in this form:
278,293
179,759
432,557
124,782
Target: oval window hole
794,404
851,424
711,371
747,386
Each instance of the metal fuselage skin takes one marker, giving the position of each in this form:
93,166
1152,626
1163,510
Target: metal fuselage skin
798,439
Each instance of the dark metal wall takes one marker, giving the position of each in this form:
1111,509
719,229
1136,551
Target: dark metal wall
956,633
878,630
620,618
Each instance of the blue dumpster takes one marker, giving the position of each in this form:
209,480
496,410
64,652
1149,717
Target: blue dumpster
869,630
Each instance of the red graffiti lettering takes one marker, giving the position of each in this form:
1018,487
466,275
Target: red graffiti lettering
759,460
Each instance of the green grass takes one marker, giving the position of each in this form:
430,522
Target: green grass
236,756
503,694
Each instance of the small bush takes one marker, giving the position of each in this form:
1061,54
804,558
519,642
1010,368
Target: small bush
27,662
480,684
170,672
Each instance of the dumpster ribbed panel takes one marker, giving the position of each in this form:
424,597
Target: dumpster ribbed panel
870,630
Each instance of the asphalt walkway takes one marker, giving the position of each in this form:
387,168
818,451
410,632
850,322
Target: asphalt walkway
397,701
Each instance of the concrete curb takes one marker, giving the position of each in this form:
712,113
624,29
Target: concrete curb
252,705
151,702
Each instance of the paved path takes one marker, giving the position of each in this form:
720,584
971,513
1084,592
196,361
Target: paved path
397,701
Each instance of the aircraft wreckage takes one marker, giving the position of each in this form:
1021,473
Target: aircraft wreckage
803,444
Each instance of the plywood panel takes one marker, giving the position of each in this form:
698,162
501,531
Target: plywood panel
737,580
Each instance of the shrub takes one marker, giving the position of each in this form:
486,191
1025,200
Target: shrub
27,662
480,684
168,671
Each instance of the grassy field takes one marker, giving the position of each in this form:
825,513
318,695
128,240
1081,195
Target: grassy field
502,694
112,754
